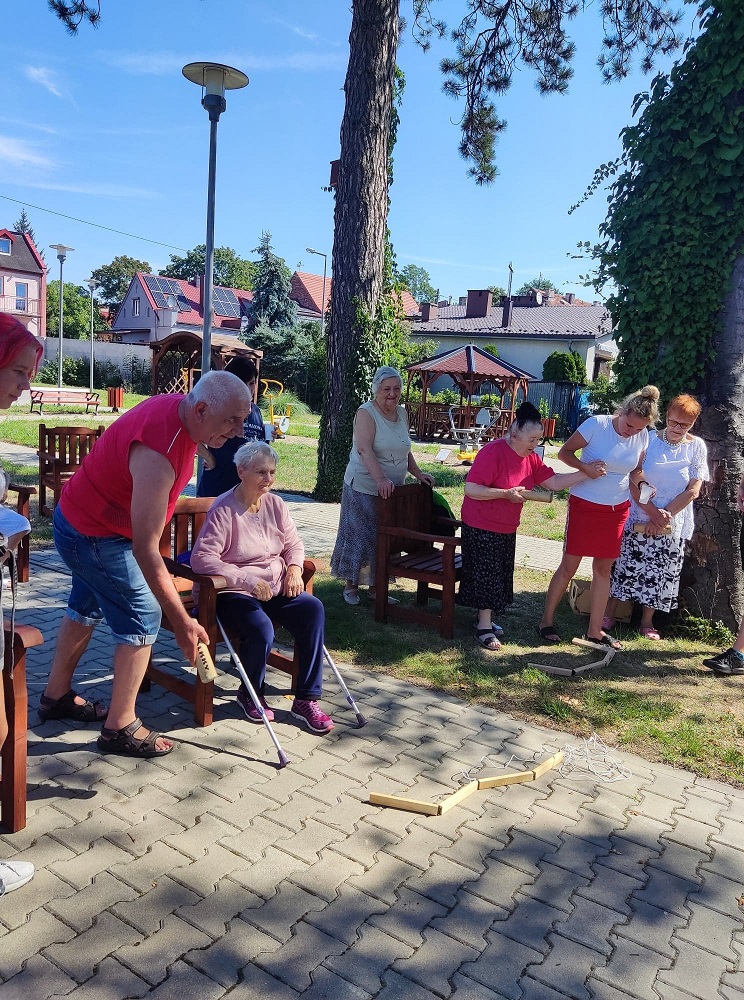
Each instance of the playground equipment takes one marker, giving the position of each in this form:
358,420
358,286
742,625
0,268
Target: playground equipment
279,422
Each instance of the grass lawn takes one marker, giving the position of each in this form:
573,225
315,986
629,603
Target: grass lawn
655,699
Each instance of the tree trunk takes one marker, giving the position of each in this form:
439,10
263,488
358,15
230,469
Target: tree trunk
359,236
712,579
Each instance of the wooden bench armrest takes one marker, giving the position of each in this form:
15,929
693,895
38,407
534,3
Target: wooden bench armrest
21,489
27,635
419,536
184,572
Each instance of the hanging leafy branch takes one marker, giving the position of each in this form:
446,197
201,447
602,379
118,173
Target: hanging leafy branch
676,219
495,36
72,13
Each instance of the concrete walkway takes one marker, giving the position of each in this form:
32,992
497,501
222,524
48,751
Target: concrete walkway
210,873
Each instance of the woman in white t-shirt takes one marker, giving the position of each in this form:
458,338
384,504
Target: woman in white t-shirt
612,450
653,544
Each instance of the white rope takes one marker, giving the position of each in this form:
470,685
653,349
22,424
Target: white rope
593,757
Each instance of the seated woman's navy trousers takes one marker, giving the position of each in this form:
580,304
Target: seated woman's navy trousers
253,621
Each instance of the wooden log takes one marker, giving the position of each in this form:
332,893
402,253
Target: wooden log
409,805
506,779
457,797
549,764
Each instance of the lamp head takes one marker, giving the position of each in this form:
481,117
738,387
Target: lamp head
92,284
62,251
214,79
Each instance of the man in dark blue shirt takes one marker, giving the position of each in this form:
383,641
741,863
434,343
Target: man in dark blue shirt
220,474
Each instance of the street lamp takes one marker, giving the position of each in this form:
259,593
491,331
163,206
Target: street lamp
214,79
92,285
62,252
323,304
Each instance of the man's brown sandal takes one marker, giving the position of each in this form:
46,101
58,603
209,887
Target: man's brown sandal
124,743
67,708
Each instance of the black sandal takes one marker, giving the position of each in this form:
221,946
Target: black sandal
67,708
487,639
549,634
124,743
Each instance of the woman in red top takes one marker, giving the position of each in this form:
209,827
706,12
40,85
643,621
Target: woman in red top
491,512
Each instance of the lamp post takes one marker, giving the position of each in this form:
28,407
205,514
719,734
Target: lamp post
323,303
214,79
62,252
92,285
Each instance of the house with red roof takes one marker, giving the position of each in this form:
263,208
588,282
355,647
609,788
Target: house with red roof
23,280
307,292
525,330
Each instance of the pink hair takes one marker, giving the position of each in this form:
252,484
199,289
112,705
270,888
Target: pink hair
14,337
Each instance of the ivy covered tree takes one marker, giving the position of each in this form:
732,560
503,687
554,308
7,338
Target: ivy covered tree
272,284
230,270
114,278
672,244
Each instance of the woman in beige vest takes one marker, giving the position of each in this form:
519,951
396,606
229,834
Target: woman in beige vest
379,460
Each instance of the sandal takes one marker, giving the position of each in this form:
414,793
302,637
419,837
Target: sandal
67,708
649,632
351,596
605,640
487,639
549,634
124,743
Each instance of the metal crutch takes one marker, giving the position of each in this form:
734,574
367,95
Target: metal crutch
283,758
361,721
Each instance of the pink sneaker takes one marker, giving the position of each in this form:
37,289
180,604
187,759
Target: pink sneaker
309,712
250,710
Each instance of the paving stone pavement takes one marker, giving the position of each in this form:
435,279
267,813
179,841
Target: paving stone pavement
211,873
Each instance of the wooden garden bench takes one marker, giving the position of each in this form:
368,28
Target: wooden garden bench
53,396
14,752
412,544
178,539
61,453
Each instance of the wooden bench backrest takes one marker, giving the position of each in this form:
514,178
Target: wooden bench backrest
182,530
408,507
67,446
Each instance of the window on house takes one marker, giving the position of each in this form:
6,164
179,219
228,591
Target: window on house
135,307
2,279
22,296
4,244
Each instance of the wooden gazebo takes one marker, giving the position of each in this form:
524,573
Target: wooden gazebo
176,361
470,368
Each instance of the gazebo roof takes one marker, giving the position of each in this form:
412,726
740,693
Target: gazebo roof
470,361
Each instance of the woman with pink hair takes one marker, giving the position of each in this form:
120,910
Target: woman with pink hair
20,353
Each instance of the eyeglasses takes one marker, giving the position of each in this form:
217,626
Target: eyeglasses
681,425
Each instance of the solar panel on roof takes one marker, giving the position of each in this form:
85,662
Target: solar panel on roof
226,302
161,287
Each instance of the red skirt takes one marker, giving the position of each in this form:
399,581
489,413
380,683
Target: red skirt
594,529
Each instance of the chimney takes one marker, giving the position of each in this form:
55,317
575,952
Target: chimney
506,314
479,303
570,298
428,311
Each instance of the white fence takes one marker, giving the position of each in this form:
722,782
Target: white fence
103,351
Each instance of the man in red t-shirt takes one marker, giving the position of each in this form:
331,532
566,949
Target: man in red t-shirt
107,528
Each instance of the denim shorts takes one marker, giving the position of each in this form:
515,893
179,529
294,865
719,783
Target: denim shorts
107,585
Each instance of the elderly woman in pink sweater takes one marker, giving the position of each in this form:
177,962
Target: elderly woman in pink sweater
250,539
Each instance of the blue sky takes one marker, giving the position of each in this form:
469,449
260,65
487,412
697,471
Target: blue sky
104,127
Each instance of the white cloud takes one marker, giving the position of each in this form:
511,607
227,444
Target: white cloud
18,153
45,77
93,189
34,126
171,63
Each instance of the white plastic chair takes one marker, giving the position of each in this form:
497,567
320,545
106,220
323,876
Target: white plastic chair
487,419
467,437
